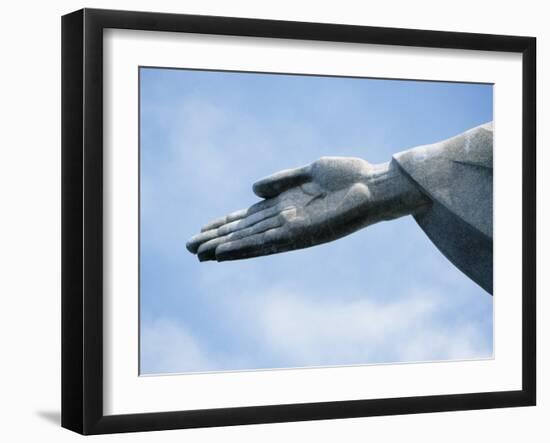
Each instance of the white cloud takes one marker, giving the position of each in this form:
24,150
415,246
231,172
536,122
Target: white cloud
302,330
290,329
167,346
334,331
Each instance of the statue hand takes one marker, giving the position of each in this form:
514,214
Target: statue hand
303,207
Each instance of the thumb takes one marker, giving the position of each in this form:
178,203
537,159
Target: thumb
282,181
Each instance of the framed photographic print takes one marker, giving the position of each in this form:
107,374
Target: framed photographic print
269,221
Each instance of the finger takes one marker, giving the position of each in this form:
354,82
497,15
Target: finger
281,181
248,221
264,204
264,243
207,251
197,240
223,220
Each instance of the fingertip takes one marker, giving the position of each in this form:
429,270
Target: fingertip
191,246
206,256
261,190
206,252
194,243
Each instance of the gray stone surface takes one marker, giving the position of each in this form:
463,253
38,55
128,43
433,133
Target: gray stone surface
457,175
446,186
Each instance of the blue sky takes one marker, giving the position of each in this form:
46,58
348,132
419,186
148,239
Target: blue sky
383,294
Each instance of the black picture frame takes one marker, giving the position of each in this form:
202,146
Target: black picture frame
82,218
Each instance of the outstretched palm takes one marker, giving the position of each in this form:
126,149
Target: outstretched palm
302,207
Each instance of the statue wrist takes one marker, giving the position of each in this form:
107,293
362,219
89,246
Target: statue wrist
393,194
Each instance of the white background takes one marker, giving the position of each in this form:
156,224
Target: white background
30,234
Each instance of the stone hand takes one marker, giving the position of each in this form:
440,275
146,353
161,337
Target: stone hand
303,207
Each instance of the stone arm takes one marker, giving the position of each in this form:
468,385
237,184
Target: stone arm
311,205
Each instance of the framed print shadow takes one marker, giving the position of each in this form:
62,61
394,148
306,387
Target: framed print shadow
382,261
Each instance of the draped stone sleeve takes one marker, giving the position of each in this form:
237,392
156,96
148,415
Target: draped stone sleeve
457,175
